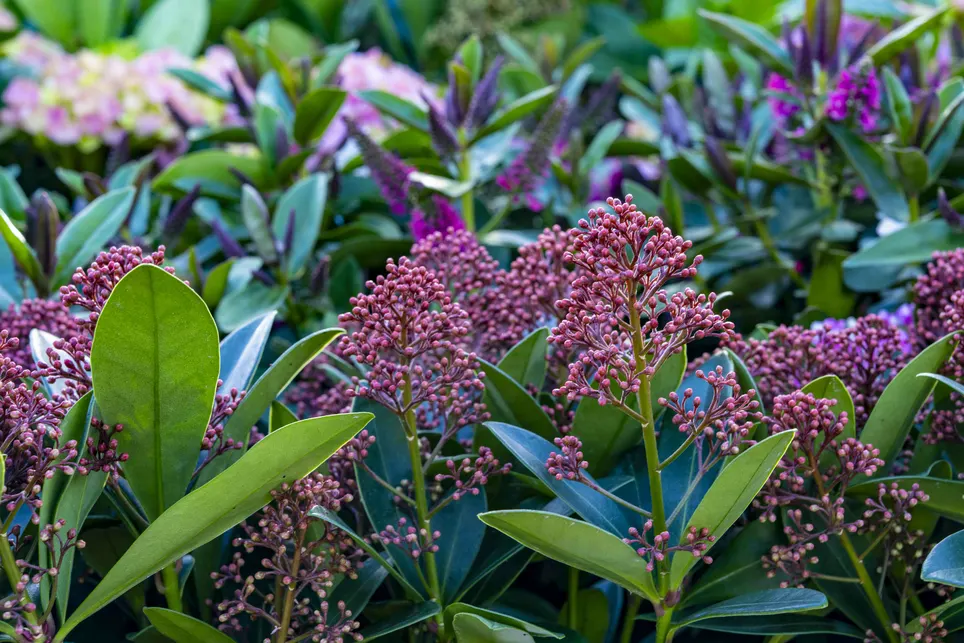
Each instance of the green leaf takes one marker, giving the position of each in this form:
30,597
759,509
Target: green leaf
831,388
86,233
398,108
526,361
241,353
249,302
582,54
532,452
912,168
415,614
470,628
176,24
460,540
767,602
254,213
73,507
453,610
210,166
752,37
517,110
577,544
903,37
276,379
154,364
945,563
591,616
441,184
182,628
199,82
731,494
944,136
514,50
100,21
827,291
596,151
915,243
898,103
332,518
869,164
55,18
508,402
944,495
775,626
893,416
470,53
306,199
216,283
279,415
315,112
357,592
24,255
244,488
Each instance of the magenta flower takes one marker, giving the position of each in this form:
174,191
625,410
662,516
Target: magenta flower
437,215
856,93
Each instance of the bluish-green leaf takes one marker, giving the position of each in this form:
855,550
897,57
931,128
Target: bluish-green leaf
753,38
89,231
526,361
869,165
765,603
945,563
241,353
904,36
306,199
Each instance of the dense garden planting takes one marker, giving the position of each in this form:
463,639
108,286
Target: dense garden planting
481,322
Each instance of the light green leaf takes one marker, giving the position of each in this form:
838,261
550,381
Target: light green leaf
249,302
306,199
398,108
201,83
245,487
278,416
831,388
470,628
216,283
893,416
182,628
517,110
254,213
86,234
100,21
731,494
176,24
241,353
210,166
577,544
526,361
898,103
904,36
154,364
281,372
55,18
452,611
315,112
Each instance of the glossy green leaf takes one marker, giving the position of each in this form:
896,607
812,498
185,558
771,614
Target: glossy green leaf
870,166
357,592
767,602
22,253
244,488
470,628
776,626
306,199
577,544
944,495
315,112
737,570
255,299
175,24
460,540
731,494
591,617
210,167
904,36
241,353
753,38
893,416
87,233
199,82
945,563
276,379
404,618
943,138
831,388
398,108
517,110
532,452
332,518
526,361
182,628
154,364
453,610
913,244
508,402
279,415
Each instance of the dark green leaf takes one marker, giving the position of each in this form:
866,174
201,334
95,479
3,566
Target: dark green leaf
869,164
774,626
508,402
517,110
526,361
770,601
415,614
453,610
752,37
198,81
943,138
22,252
461,537
241,353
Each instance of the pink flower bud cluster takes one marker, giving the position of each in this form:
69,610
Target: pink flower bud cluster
102,449
42,314
569,464
696,542
719,425
619,310
303,563
90,99
470,475
408,331
413,541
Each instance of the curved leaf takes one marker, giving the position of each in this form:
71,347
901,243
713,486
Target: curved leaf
869,165
241,353
24,255
306,199
752,37
86,233
182,628
904,36
945,563
245,487
525,362
175,24
315,111
767,602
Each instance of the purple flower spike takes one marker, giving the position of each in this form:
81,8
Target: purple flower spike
388,171
529,168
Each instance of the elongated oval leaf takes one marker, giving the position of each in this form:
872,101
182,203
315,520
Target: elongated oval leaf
398,108
279,415
830,387
175,24
459,542
526,361
265,390
210,167
780,625
893,416
315,111
767,602
577,544
241,353
24,255
453,610
85,234
517,110
904,36
945,563
944,496
154,365
306,199
404,618
245,487
731,494
752,37
182,628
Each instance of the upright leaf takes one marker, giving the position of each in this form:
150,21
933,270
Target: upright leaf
752,37
526,361
731,494
869,165
207,512
315,111
154,365
241,353
306,201
176,24
904,36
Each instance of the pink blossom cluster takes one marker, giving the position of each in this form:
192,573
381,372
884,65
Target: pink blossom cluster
89,99
858,94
